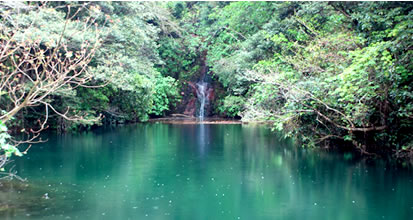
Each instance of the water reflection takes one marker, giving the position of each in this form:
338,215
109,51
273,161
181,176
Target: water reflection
172,171
203,135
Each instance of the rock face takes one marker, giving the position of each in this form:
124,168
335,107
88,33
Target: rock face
190,102
193,104
194,99
190,109
210,96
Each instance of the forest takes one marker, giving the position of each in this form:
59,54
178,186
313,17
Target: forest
328,74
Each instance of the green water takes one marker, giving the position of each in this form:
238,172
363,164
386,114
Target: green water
173,171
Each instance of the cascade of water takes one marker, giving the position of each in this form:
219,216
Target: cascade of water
202,97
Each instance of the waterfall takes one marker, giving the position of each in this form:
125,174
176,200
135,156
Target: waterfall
202,91
202,98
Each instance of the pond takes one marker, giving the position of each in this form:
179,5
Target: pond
199,171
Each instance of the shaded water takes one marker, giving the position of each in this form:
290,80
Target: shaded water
199,171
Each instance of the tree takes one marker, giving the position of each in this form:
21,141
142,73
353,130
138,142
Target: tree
37,63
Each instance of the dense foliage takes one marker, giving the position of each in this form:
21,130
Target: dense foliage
324,72
124,70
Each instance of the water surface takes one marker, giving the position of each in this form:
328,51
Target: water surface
200,171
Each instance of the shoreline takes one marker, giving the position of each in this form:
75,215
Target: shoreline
195,120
